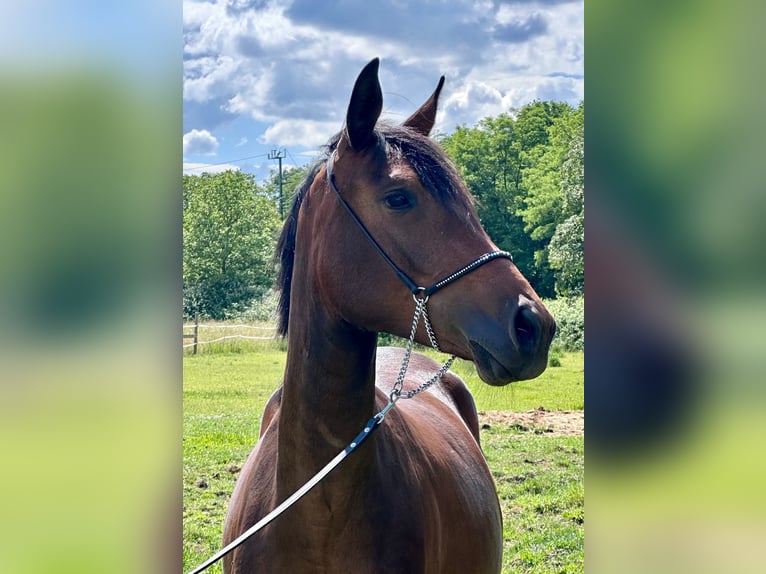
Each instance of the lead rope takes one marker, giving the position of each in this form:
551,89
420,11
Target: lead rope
395,394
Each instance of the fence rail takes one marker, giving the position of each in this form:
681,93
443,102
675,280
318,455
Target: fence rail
214,331
238,326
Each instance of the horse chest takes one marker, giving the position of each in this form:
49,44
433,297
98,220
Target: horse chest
419,512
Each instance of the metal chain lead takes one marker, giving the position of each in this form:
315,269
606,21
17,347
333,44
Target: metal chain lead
445,367
429,329
396,392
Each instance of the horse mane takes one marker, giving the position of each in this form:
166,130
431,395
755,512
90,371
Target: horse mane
284,255
436,172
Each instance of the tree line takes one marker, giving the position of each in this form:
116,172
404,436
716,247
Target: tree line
525,169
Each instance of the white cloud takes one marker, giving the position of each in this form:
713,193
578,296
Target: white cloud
463,103
206,28
304,133
191,168
291,67
199,142
311,153
207,78
252,94
474,100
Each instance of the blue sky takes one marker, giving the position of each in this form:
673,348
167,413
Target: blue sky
261,75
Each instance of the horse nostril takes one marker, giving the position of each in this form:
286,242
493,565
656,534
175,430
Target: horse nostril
526,328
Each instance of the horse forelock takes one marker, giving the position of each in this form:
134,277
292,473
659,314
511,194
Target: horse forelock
433,167
436,172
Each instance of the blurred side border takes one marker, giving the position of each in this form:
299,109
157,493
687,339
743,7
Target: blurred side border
90,293
675,281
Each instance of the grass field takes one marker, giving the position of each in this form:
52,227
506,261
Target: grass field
539,478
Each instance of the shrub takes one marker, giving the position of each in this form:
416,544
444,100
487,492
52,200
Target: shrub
262,308
570,322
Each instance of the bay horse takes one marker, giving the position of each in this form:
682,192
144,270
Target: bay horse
384,207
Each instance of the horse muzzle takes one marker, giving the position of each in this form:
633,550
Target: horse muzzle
512,350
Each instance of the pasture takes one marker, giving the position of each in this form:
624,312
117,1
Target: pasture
538,469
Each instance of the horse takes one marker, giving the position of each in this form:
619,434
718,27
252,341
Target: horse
384,212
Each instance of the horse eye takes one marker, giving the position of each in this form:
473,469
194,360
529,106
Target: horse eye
399,201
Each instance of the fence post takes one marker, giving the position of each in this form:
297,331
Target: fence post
196,329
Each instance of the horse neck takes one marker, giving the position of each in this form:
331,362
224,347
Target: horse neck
328,394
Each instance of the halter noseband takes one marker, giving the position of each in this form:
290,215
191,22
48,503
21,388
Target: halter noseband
414,288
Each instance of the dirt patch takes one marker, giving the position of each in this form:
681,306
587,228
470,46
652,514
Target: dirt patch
538,421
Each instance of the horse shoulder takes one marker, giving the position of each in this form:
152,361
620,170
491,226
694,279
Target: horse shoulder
253,497
254,493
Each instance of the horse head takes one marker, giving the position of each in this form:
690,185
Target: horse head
419,215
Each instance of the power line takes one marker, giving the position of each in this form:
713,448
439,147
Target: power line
292,159
204,165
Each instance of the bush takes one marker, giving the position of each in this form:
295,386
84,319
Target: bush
263,308
570,322
220,299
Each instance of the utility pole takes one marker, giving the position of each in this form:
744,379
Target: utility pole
278,154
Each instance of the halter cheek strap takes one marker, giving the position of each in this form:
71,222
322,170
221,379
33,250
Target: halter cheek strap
414,288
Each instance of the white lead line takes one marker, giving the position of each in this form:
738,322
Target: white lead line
273,514
369,427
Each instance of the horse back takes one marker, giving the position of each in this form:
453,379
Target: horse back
450,389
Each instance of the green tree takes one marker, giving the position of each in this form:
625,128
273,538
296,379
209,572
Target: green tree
567,244
545,130
512,167
229,231
488,159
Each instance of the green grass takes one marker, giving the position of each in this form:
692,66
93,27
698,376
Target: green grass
540,485
539,478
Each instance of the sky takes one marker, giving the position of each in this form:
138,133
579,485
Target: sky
276,75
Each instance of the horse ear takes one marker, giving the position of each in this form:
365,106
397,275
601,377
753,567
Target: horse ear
424,118
365,107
